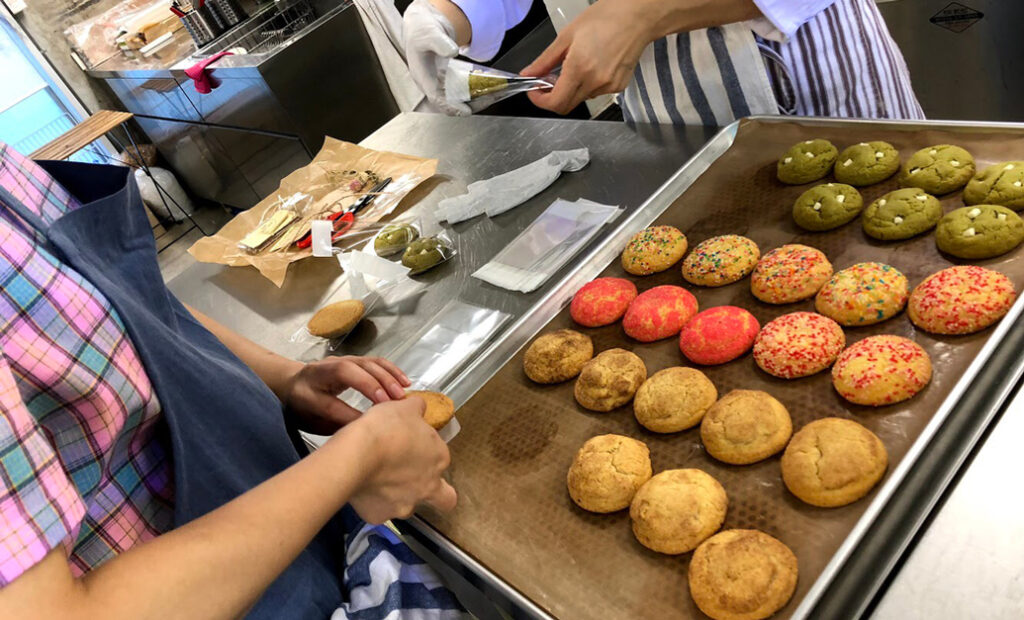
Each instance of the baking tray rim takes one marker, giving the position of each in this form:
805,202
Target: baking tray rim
499,352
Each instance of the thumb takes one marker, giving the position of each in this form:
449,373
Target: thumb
549,60
441,44
444,498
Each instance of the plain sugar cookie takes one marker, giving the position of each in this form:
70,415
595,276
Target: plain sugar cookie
677,509
833,462
742,575
607,471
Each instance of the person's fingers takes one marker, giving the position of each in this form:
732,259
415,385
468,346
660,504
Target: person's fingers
444,498
350,374
333,414
383,376
395,371
439,43
566,95
549,59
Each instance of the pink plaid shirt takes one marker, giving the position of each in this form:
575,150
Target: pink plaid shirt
84,458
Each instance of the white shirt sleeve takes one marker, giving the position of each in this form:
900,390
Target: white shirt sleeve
489,20
782,18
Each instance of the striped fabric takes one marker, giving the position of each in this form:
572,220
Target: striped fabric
842,62
384,579
83,461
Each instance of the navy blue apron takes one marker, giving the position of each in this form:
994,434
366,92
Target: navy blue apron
227,429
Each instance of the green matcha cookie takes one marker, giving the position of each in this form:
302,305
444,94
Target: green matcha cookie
394,238
1001,184
981,231
901,214
807,161
938,169
424,254
828,206
867,163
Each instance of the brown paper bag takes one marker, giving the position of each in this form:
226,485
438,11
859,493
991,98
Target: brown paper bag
325,182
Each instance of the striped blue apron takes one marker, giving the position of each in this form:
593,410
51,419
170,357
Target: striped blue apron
841,63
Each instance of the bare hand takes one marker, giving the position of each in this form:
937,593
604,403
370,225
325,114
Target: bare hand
409,459
312,392
598,52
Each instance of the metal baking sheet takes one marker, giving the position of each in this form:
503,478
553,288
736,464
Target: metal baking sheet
518,439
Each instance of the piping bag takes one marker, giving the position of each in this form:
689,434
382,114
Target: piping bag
498,194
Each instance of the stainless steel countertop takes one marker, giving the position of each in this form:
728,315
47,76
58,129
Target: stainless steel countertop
625,168
970,562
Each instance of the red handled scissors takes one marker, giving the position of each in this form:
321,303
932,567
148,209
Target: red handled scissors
343,220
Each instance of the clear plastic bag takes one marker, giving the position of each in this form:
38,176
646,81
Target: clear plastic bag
396,236
426,253
481,86
377,282
562,230
442,347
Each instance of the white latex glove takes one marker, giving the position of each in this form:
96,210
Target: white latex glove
429,45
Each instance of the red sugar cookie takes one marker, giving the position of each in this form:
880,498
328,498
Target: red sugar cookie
659,313
798,344
718,335
602,301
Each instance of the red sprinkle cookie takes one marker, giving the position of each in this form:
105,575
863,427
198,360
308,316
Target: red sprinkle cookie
720,260
960,300
659,313
653,249
798,344
718,335
864,294
790,273
602,301
881,370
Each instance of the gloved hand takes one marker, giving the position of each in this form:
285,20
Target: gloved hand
429,45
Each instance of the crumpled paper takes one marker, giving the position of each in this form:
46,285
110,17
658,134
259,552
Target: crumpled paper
323,180
498,194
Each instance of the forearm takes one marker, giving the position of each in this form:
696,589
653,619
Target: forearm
214,567
275,370
666,17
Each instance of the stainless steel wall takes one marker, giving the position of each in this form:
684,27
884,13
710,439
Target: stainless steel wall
963,67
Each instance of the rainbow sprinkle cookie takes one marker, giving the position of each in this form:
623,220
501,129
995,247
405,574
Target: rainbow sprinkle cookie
881,370
790,273
798,344
653,249
721,260
864,294
960,300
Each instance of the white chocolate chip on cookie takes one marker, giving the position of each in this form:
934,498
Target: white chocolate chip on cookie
1017,183
841,198
1008,167
954,162
933,152
915,170
969,232
973,213
817,206
879,154
897,220
882,202
787,160
847,162
1001,216
809,155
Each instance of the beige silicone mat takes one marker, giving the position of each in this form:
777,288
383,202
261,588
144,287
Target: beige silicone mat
518,439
